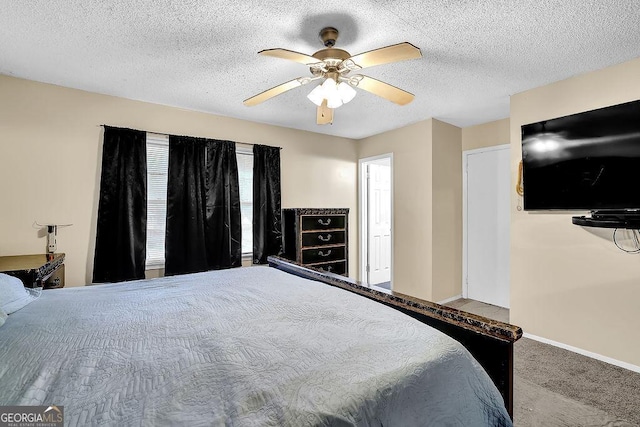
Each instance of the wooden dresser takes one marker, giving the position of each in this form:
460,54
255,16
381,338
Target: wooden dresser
317,238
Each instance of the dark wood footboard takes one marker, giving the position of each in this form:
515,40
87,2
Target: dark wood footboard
489,341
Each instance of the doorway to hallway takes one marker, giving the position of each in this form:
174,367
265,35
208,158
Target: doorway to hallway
376,219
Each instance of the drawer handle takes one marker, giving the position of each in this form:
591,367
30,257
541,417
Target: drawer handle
325,223
323,254
324,239
329,269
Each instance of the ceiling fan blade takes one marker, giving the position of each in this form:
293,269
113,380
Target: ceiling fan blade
290,55
385,55
385,90
270,93
324,114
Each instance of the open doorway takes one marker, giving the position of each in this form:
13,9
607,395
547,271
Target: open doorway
376,219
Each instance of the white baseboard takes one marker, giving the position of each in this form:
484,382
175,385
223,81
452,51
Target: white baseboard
590,354
448,300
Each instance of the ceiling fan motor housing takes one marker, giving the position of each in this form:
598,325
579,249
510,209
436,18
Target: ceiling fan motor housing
329,35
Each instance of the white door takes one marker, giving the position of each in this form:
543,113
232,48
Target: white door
379,221
488,192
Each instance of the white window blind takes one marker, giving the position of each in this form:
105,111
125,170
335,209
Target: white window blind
245,178
157,171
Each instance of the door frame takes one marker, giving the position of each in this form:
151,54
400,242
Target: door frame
465,246
364,212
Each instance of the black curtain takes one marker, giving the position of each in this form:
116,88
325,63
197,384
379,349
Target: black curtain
185,245
121,235
223,221
267,213
203,206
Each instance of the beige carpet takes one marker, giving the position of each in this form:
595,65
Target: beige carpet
556,387
537,406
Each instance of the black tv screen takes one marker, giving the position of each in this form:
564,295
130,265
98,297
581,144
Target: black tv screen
585,161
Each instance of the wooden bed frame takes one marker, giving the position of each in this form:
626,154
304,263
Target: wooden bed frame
489,341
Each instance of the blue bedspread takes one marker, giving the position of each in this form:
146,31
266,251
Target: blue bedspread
251,346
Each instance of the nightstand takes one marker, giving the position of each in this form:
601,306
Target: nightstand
35,271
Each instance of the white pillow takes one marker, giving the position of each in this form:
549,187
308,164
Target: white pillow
13,294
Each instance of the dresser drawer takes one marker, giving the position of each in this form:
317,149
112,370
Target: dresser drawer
339,267
323,222
322,238
330,253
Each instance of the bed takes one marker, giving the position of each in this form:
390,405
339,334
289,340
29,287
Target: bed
244,347
489,341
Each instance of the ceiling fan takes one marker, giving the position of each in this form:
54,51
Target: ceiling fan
334,66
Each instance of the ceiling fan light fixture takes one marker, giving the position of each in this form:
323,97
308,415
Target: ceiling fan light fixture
330,88
334,102
316,95
346,92
335,94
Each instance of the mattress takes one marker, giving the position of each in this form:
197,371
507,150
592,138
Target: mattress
251,346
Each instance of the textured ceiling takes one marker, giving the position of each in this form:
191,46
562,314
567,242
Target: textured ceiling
202,55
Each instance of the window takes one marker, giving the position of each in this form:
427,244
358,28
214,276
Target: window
245,179
157,172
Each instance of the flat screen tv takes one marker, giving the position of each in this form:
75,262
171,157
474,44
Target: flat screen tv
585,161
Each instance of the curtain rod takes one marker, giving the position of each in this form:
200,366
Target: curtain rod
167,134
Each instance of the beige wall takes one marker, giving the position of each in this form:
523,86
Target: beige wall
427,198
486,135
411,148
568,283
447,211
50,151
